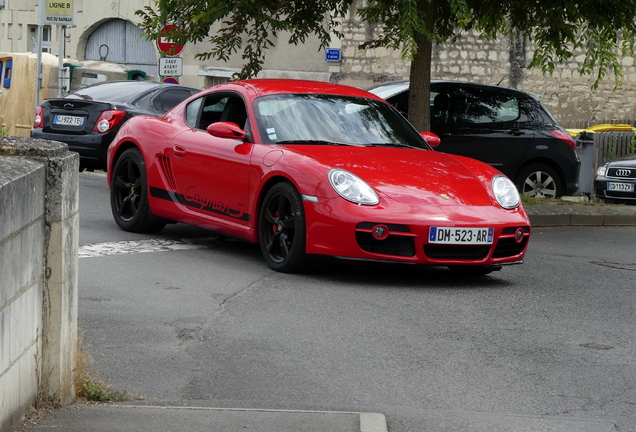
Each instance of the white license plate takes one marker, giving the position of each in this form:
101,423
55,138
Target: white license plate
625,187
67,120
456,235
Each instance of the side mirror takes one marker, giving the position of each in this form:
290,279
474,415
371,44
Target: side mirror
431,139
226,130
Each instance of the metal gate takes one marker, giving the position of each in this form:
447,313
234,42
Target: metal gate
120,41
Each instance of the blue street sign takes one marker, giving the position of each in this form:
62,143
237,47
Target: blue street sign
332,54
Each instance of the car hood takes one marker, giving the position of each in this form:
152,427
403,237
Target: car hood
410,176
624,161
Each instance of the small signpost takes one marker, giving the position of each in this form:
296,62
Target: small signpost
333,54
170,66
165,44
59,12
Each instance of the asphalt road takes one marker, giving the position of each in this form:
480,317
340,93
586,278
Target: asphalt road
191,320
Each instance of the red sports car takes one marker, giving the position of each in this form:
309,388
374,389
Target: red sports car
313,170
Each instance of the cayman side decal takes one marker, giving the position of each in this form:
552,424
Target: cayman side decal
198,202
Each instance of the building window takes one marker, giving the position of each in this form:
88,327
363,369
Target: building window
46,38
214,80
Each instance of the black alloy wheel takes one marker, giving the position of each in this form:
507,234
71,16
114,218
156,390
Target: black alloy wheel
129,195
282,231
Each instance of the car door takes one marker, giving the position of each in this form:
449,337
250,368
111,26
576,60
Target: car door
484,123
211,173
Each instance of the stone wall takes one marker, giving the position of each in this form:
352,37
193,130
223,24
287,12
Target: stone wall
565,93
39,241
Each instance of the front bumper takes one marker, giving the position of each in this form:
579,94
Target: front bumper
600,190
338,228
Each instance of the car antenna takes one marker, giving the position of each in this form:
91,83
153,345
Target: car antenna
503,78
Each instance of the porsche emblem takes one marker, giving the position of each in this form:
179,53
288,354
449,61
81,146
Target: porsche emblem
446,197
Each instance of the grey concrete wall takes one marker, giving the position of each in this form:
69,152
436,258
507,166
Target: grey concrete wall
39,229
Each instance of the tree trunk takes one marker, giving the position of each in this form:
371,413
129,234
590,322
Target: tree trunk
420,77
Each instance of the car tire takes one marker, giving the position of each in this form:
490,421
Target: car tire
540,181
282,230
129,195
472,271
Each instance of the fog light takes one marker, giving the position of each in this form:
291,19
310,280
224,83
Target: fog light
519,235
380,232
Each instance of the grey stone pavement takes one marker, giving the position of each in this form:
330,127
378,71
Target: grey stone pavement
148,418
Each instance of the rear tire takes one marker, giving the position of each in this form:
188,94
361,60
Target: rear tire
540,181
129,195
281,229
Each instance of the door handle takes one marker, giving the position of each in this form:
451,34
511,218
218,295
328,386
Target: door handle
178,151
516,132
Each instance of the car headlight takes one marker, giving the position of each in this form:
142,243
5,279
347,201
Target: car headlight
505,192
352,188
601,171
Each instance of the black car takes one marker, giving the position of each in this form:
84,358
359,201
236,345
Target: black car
88,119
615,181
508,129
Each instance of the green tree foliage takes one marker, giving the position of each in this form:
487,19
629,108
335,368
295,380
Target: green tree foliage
602,29
247,26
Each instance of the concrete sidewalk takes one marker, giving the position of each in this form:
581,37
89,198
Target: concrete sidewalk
581,215
123,417
149,418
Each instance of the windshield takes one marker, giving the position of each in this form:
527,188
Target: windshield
319,119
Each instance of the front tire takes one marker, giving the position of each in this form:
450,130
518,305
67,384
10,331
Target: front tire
540,181
129,195
282,229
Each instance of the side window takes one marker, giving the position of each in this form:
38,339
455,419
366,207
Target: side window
440,108
192,112
487,107
206,110
401,102
166,100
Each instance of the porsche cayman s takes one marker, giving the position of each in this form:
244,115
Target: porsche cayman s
313,170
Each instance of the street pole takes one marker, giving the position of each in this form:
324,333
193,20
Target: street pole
39,71
60,55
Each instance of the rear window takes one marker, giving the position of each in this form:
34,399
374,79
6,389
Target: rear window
113,91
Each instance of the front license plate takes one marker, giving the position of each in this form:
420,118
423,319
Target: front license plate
624,187
458,235
67,120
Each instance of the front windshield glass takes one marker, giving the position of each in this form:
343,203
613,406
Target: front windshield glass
332,119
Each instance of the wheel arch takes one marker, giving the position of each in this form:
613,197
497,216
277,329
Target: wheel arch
542,161
269,183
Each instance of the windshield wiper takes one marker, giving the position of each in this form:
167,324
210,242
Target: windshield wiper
315,142
389,144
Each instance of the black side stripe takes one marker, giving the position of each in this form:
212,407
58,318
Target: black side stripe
215,207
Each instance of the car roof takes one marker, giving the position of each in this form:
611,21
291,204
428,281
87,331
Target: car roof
113,91
390,89
263,86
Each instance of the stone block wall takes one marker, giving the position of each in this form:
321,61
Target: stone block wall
39,242
22,190
566,93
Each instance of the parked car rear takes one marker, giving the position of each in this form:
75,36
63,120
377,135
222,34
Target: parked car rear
506,128
88,119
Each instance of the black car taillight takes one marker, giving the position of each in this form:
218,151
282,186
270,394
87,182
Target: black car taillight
108,120
38,121
566,137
